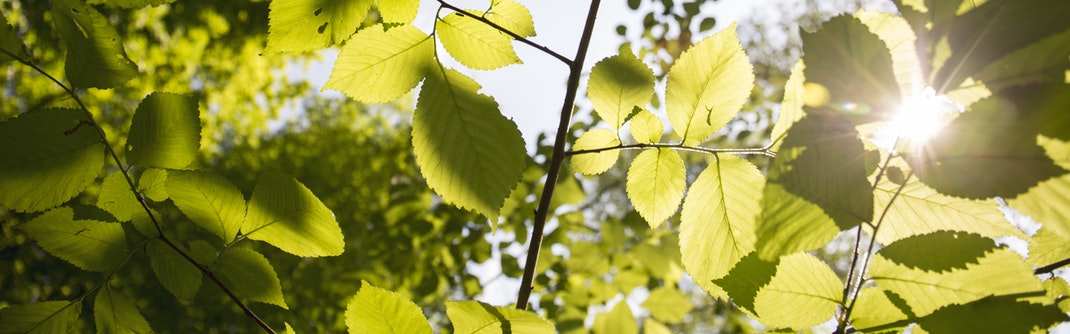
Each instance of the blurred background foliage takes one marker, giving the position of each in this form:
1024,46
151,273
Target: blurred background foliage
357,159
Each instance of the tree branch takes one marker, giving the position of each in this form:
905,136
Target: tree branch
556,159
743,151
1051,267
540,47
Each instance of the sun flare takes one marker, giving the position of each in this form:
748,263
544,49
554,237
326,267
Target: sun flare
918,119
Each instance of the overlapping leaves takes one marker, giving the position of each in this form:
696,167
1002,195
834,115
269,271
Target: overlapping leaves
95,54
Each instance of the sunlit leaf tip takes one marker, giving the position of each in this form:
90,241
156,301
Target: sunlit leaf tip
250,275
165,132
618,85
374,310
595,163
380,65
309,25
475,44
285,214
477,317
209,200
90,245
655,185
512,16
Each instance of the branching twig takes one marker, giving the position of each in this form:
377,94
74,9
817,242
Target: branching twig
556,159
538,46
742,151
141,199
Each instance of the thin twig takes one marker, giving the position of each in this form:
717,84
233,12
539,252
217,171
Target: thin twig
522,39
557,158
1051,267
141,199
742,151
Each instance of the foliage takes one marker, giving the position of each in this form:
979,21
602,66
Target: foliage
919,209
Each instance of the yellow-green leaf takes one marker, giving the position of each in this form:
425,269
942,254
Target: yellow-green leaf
619,320
95,55
250,275
209,200
129,3
153,184
174,272
88,244
114,312
803,293
618,85
44,317
467,150
656,181
717,221
309,25
791,109
475,44
374,310
646,127
398,11
707,86
117,198
900,40
379,65
513,16
165,132
52,155
668,304
473,317
595,163
873,308
285,214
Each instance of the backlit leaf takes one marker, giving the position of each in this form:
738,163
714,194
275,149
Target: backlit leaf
379,65
656,181
58,156
1037,203
668,304
472,317
174,272
717,220
475,44
1048,246
117,198
791,109
855,66
9,43
956,250
165,132
129,3
90,245
469,153
1000,272
1043,61
897,35
619,320
749,275
285,214
95,55
44,317
374,310
803,293
513,16
618,85
153,184
995,314
250,275
114,312
595,163
209,200
993,30
646,127
873,308
309,25
707,86
398,11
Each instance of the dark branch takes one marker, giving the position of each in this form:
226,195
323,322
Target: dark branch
1051,267
538,46
742,151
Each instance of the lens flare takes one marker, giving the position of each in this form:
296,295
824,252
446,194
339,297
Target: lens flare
916,121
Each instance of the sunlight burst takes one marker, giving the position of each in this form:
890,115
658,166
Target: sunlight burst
917,120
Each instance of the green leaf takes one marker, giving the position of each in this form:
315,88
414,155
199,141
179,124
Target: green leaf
956,250
374,310
513,16
44,317
855,66
1048,246
114,312
165,132
1000,272
475,44
129,3
803,293
708,85
209,200
668,305
618,85
469,153
309,25
398,61
619,320
966,151
656,181
95,55
993,30
153,183
285,214
174,272
791,109
997,314
398,11
819,173
52,147
749,275
1037,203
9,43
250,275
117,198
646,127
90,245
901,42
471,317
873,308
717,220
919,209
1043,61
595,163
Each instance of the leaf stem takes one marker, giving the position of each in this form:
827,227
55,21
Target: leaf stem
141,199
538,46
742,151
557,158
